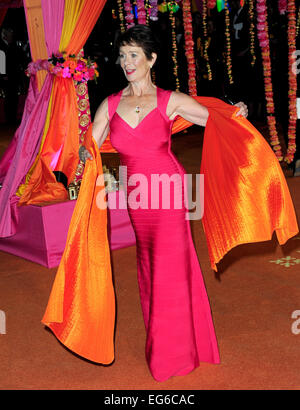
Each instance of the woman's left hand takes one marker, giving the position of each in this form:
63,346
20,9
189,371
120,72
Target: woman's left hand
243,109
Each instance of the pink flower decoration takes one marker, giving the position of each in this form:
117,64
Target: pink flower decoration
66,72
282,6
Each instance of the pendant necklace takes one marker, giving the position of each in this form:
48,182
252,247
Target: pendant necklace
137,109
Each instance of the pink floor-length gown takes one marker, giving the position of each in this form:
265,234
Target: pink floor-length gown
176,311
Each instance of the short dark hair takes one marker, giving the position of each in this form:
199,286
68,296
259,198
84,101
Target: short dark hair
142,36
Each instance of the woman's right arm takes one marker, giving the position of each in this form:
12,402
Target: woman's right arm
99,131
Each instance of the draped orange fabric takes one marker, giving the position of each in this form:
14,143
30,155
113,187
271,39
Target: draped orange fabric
246,197
81,308
42,186
246,200
106,146
60,149
86,21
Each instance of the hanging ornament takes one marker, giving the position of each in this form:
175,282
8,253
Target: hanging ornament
173,6
153,13
163,7
211,4
220,5
141,12
228,44
282,6
298,22
263,37
129,17
174,47
291,11
189,46
252,32
147,8
205,49
121,16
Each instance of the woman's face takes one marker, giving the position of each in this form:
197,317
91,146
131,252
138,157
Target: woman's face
134,62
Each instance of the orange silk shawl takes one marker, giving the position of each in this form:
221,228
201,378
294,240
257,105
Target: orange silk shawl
246,199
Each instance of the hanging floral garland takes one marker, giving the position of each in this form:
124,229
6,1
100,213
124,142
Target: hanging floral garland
189,46
298,22
252,32
205,48
220,5
228,44
147,8
129,17
291,10
263,36
211,4
121,15
174,46
153,14
282,6
141,12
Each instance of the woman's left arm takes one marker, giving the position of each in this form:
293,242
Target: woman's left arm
192,111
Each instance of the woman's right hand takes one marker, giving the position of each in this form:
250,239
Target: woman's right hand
84,154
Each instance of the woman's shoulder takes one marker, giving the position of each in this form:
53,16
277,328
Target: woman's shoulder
115,94
164,91
174,95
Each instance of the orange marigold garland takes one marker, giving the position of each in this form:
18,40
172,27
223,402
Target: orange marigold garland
291,12
228,44
251,31
298,22
121,15
174,46
205,53
189,46
147,7
263,37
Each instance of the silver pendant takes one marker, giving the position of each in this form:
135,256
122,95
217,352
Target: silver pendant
137,109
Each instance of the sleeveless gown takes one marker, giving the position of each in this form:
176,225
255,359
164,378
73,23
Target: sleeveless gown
175,306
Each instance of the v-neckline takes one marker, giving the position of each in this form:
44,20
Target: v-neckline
150,112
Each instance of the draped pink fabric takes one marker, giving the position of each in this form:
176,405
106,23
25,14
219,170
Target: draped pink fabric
24,147
22,153
53,15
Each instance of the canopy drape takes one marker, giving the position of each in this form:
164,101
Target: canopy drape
61,144
24,147
47,138
53,16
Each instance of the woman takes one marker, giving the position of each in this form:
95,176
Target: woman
175,307
246,200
